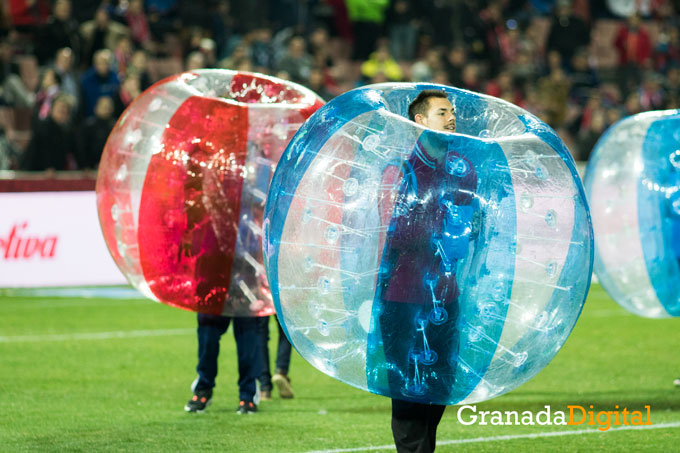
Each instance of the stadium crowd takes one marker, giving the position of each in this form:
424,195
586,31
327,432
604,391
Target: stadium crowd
68,68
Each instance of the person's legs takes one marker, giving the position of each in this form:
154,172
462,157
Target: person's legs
414,426
443,340
265,376
249,352
283,351
280,378
434,416
210,330
398,325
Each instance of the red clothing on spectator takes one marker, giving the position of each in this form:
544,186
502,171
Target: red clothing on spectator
139,27
23,14
634,46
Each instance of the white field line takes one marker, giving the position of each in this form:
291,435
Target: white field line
67,303
95,335
511,437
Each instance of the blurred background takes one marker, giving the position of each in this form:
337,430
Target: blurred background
68,68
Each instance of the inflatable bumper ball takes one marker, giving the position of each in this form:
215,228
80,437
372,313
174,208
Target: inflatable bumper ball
182,185
633,185
435,267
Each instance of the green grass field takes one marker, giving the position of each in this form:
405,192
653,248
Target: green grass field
113,375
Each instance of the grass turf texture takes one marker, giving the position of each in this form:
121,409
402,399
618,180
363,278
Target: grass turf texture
67,393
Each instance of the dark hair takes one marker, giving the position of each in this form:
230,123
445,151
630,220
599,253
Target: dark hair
420,104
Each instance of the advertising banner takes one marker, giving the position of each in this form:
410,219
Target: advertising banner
53,239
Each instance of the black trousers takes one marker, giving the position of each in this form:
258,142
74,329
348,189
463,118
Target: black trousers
414,426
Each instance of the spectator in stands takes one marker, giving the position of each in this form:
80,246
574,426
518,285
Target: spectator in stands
140,65
318,85
193,37
423,70
84,10
53,141
454,64
493,32
319,48
240,53
554,93
672,87
568,32
9,155
441,77
262,54
129,90
207,47
367,17
63,66
99,80
470,77
592,104
101,33
122,55
632,104
503,86
583,77
524,68
162,15
612,115
27,16
222,27
297,62
403,23
652,96
440,16
667,48
587,138
13,91
532,101
95,132
50,84
511,42
634,46
381,62
60,31
136,20
195,60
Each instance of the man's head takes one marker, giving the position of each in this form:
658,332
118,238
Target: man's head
61,109
62,10
433,109
102,62
64,59
103,109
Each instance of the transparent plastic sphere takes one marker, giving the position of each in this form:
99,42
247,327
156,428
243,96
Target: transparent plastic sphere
633,184
182,185
429,266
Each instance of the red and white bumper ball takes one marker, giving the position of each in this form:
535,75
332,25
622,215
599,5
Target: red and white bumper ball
182,186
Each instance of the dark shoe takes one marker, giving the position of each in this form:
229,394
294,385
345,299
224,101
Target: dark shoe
282,382
246,407
199,401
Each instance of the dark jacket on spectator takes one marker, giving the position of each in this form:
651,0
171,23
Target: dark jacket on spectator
55,35
93,137
51,146
94,86
567,34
